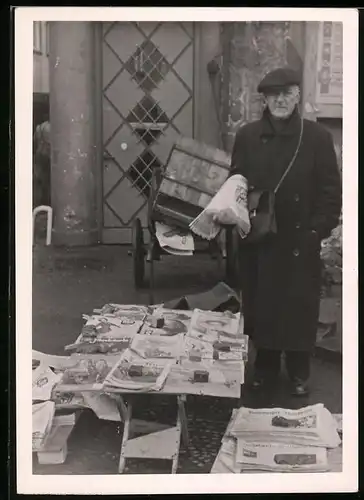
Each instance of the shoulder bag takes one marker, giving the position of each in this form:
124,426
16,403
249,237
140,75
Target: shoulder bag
261,206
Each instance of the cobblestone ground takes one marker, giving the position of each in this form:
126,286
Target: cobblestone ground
67,283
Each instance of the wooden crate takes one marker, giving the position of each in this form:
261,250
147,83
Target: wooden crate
193,175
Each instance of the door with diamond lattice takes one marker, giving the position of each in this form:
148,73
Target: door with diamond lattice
148,100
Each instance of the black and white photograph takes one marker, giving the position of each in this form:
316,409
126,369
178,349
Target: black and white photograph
186,250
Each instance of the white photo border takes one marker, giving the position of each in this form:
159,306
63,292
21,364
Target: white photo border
347,481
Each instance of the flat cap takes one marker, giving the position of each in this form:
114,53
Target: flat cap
279,78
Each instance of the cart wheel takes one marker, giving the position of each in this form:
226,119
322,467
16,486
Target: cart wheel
138,253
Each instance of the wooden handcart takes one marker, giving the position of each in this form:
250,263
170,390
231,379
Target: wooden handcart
193,174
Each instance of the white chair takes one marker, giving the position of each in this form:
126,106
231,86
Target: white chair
49,212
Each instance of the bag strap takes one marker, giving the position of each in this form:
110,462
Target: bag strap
292,161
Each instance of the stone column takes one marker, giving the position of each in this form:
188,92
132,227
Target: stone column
72,118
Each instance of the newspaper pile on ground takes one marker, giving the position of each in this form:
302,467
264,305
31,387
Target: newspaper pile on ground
252,442
313,425
174,240
232,195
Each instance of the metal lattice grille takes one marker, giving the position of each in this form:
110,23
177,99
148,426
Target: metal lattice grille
148,98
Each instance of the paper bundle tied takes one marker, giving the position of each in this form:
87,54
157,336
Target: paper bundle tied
232,195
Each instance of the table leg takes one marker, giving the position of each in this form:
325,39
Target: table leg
183,419
178,443
123,410
127,417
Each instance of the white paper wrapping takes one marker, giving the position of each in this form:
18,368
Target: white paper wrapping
234,195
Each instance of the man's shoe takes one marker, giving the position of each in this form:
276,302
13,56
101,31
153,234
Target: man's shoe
300,388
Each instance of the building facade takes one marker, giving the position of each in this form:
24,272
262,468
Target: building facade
121,92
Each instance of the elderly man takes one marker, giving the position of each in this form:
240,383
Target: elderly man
281,276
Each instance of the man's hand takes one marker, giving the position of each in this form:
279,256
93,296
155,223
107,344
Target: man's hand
225,217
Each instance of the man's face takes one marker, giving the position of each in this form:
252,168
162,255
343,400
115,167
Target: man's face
282,103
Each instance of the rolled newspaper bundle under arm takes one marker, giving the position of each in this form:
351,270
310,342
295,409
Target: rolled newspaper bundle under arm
232,195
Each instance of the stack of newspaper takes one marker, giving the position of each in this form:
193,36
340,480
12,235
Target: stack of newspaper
232,195
278,439
312,425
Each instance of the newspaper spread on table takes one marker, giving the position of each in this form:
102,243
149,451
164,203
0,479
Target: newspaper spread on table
88,372
111,327
133,311
128,348
174,240
132,372
206,377
157,347
215,326
232,195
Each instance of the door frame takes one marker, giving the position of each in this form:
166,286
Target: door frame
98,135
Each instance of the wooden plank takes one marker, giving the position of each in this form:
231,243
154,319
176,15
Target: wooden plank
158,445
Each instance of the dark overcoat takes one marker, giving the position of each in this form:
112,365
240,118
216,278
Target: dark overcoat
280,278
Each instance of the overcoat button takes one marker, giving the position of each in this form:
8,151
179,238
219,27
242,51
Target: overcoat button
296,252
296,197
298,225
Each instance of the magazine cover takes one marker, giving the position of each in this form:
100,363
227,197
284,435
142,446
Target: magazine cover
87,373
174,314
205,378
111,327
214,326
196,349
133,311
174,322
158,347
105,345
134,373
68,400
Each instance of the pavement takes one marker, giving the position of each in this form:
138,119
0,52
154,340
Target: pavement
68,282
